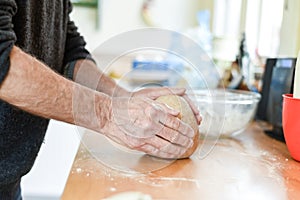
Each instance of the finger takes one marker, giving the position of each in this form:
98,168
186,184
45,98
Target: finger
199,119
176,91
154,93
167,109
157,146
166,148
175,137
176,124
191,104
194,108
151,150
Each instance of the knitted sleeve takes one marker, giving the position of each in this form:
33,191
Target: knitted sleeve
8,9
75,47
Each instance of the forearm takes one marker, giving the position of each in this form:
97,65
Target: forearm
35,88
86,73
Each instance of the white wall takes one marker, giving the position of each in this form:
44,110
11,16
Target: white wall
290,31
117,16
114,16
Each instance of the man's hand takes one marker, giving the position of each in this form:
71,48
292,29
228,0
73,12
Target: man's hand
145,125
154,93
86,73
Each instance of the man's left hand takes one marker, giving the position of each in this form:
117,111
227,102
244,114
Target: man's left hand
155,92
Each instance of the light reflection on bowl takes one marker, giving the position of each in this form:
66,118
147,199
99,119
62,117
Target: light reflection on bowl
225,112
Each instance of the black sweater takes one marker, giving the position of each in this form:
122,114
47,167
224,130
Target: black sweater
41,28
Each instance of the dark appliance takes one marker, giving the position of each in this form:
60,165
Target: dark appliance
277,80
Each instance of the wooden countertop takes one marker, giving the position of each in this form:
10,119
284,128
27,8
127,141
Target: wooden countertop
248,166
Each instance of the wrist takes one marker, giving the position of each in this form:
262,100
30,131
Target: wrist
91,109
120,92
103,112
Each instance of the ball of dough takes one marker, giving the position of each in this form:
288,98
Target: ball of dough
186,115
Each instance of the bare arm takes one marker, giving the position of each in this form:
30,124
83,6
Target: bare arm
35,88
86,73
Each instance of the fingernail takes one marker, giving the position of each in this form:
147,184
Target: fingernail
199,119
192,133
191,143
176,112
173,110
181,90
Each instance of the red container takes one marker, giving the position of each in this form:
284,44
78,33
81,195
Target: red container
291,124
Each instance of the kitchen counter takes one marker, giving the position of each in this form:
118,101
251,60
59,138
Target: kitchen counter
248,166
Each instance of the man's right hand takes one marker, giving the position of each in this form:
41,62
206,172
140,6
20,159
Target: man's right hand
145,125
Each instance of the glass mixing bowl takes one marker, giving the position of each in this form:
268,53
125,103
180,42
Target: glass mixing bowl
224,112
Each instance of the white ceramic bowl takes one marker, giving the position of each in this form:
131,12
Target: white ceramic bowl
225,112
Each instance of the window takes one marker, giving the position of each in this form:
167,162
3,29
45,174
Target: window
227,18
263,24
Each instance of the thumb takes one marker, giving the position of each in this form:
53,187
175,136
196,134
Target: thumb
168,109
167,91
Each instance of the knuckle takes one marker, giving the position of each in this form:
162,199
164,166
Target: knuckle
165,134
154,151
182,151
154,109
155,114
183,142
174,137
187,130
177,151
153,129
149,110
136,144
176,123
147,125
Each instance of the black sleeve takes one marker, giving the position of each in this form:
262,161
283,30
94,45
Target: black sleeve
8,9
75,47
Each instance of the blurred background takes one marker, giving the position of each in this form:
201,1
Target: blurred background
247,32
240,36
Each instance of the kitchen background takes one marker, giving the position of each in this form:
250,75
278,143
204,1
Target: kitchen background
271,29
